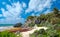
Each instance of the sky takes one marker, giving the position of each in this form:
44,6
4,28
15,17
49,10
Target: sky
15,11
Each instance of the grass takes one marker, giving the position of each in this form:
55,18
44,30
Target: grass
8,34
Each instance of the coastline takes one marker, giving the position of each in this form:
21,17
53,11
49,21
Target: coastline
2,28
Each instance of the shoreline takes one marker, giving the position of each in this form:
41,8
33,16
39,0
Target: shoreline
2,28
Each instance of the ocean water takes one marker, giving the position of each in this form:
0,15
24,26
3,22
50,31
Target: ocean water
6,25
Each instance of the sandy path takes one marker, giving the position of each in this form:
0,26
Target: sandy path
26,34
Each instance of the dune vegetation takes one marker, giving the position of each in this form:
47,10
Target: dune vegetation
50,20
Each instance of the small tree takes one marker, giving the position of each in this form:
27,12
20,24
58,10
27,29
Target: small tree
56,11
18,25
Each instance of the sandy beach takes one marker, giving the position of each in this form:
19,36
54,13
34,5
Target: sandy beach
2,28
26,34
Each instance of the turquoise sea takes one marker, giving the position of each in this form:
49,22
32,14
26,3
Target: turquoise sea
6,25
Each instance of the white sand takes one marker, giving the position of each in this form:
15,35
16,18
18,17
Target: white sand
5,28
26,34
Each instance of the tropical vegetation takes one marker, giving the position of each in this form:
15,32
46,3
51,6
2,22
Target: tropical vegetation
50,20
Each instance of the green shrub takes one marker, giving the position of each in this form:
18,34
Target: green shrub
8,34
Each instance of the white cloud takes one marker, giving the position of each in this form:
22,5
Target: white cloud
38,5
13,11
33,14
24,5
48,11
11,20
6,13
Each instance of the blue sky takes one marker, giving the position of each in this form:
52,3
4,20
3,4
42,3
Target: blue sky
15,11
